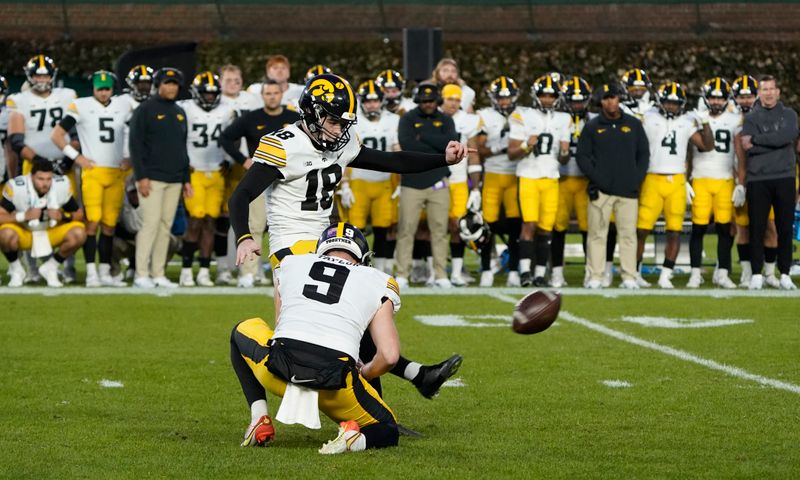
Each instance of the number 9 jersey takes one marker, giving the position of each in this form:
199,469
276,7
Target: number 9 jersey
41,115
299,205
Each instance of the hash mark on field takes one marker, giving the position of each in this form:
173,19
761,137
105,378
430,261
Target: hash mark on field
616,384
664,322
110,383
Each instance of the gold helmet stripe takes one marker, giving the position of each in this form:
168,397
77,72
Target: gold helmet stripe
350,96
719,87
371,85
744,82
577,86
674,89
340,229
144,70
638,74
41,61
503,83
210,77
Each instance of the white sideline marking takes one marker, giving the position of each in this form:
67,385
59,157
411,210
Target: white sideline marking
616,384
461,320
110,383
664,322
455,383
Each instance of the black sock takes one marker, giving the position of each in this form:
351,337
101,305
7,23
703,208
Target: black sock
379,241
744,252
89,248
400,369
105,247
425,247
58,258
12,256
724,245
486,255
669,264
205,262
418,252
390,245
526,249
252,389
221,237
611,242
188,253
557,248
770,254
514,226
381,435
542,241
696,245
584,239
457,250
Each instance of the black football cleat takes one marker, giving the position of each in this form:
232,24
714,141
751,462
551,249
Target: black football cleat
539,282
407,432
525,279
431,378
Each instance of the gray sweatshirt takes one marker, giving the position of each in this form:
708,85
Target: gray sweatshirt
774,132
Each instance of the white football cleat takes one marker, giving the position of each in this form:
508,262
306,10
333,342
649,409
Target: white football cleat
664,281
772,281
641,281
695,279
225,278
594,284
17,274
246,281
143,282
629,285
487,279
92,278
109,281
346,441
442,283
557,278
608,275
49,270
187,278
722,279
164,282
786,283
204,278
511,281
756,282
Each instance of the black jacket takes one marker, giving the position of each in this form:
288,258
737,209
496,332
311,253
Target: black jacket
419,132
774,132
158,141
614,155
252,126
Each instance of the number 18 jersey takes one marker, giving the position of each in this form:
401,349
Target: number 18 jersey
299,205
330,302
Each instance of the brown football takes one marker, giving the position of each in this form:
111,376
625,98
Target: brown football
536,311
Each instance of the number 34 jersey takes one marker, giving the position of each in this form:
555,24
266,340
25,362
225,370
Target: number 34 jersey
41,115
102,128
299,205
330,302
205,127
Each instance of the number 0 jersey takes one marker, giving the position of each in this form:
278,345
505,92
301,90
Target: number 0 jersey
205,127
101,128
495,127
669,141
41,115
719,163
300,204
468,125
552,128
380,135
330,302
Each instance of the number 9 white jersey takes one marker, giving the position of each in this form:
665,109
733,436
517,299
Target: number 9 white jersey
669,141
41,116
204,129
719,163
380,135
299,205
101,128
330,302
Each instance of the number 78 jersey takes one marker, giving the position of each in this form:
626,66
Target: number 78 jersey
300,204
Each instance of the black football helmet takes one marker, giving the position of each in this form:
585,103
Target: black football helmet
474,231
3,90
370,90
671,92
317,69
41,65
637,85
744,85
391,79
206,90
577,93
140,81
503,87
328,96
546,85
716,87
345,236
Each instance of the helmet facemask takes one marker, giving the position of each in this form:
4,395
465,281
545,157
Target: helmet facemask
329,140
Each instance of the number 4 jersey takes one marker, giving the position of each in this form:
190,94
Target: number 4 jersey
300,204
330,302
101,128
41,115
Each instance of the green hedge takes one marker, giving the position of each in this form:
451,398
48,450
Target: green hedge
689,63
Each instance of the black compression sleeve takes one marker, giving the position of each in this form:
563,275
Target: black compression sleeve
397,162
67,123
257,179
71,205
7,205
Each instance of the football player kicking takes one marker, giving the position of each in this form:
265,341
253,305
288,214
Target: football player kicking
101,121
326,302
206,117
539,139
665,188
301,165
38,212
712,182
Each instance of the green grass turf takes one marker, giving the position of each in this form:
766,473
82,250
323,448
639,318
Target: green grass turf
532,407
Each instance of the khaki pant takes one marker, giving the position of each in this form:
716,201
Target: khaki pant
258,222
152,240
437,205
626,212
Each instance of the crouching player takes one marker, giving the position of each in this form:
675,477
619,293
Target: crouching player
38,213
325,302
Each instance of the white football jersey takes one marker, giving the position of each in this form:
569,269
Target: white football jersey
41,115
101,128
468,125
205,128
406,105
669,141
330,302
495,126
552,128
3,137
290,97
21,193
299,205
467,98
127,97
244,102
719,163
380,135
571,169
642,106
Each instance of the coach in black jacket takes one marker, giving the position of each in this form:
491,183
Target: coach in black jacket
613,153
161,165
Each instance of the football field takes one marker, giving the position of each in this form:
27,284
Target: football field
651,384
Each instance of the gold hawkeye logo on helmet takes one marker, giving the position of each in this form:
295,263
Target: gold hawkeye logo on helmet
322,88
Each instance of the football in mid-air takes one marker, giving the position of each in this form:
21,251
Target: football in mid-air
536,311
